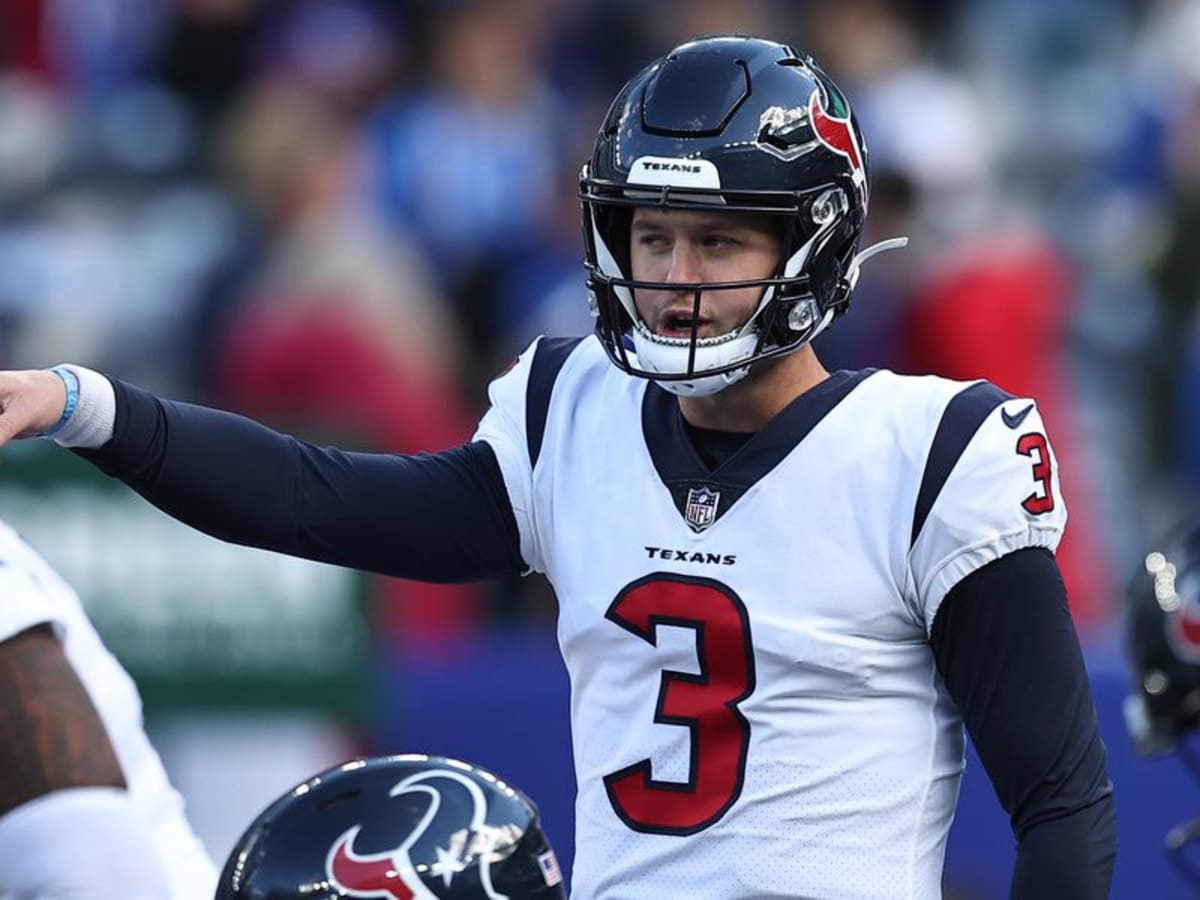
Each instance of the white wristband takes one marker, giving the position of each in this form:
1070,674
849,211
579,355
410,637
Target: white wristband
91,424
83,843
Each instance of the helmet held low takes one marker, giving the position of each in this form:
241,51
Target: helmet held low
413,826
738,124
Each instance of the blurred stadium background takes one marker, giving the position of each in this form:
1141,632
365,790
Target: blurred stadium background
343,216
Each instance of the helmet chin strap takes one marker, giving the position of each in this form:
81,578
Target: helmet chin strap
704,385
657,358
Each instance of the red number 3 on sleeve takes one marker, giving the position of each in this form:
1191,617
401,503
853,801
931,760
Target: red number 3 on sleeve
1034,446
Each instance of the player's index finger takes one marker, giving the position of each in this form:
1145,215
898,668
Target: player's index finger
7,428
13,415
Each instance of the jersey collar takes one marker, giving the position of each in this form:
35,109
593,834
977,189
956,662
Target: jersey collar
692,485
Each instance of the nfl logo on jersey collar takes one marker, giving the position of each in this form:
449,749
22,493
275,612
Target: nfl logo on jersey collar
701,508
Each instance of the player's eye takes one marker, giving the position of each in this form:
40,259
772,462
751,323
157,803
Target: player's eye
652,240
721,241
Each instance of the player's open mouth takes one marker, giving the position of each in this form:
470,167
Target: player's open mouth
677,324
675,328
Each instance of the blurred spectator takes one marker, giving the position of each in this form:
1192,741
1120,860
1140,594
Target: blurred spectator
104,235
336,309
1171,70
22,48
207,51
468,162
294,165
345,53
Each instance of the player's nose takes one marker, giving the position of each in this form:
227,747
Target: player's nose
684,267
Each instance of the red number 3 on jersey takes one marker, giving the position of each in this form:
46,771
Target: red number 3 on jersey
1041,500
706,703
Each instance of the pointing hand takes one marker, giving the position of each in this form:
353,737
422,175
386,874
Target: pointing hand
31,402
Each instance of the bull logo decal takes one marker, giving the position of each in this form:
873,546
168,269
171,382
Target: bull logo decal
391,875
834,129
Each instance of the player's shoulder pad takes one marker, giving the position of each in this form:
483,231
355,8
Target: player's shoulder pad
550,355
525,388
960,421
990,486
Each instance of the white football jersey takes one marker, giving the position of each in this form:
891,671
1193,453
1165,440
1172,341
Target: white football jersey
755,706
33,594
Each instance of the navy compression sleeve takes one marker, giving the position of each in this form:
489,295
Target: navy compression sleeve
442,517
1007,651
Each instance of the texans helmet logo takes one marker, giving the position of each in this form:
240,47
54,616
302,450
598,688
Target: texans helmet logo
1183,624
837,133
392,875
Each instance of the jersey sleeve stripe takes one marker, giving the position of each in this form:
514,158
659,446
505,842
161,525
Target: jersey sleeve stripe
962,417
548,360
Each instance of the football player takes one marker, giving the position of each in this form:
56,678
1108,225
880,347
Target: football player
422,827
782,591
1163,636
86,810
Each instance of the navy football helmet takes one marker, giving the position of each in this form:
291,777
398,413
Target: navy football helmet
406,827
1164,644
1163,637
739,124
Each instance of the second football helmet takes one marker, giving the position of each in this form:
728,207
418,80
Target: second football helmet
737,124
405,827
1163,636
1164,644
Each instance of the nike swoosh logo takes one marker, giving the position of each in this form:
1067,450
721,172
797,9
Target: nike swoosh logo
1015,421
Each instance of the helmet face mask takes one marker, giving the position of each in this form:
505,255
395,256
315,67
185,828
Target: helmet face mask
404,826
729,124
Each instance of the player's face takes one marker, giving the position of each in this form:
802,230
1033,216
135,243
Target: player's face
695,246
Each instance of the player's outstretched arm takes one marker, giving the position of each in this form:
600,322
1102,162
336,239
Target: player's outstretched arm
1007,651
67,827
441,517
31,403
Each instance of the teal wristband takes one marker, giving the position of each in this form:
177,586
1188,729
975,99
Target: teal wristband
72,384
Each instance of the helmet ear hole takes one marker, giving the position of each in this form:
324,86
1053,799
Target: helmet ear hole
828,206
803,314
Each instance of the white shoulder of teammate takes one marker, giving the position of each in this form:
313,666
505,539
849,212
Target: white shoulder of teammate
28,599
148,818
84,843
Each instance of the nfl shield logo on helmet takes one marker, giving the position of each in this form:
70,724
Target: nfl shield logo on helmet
701,509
